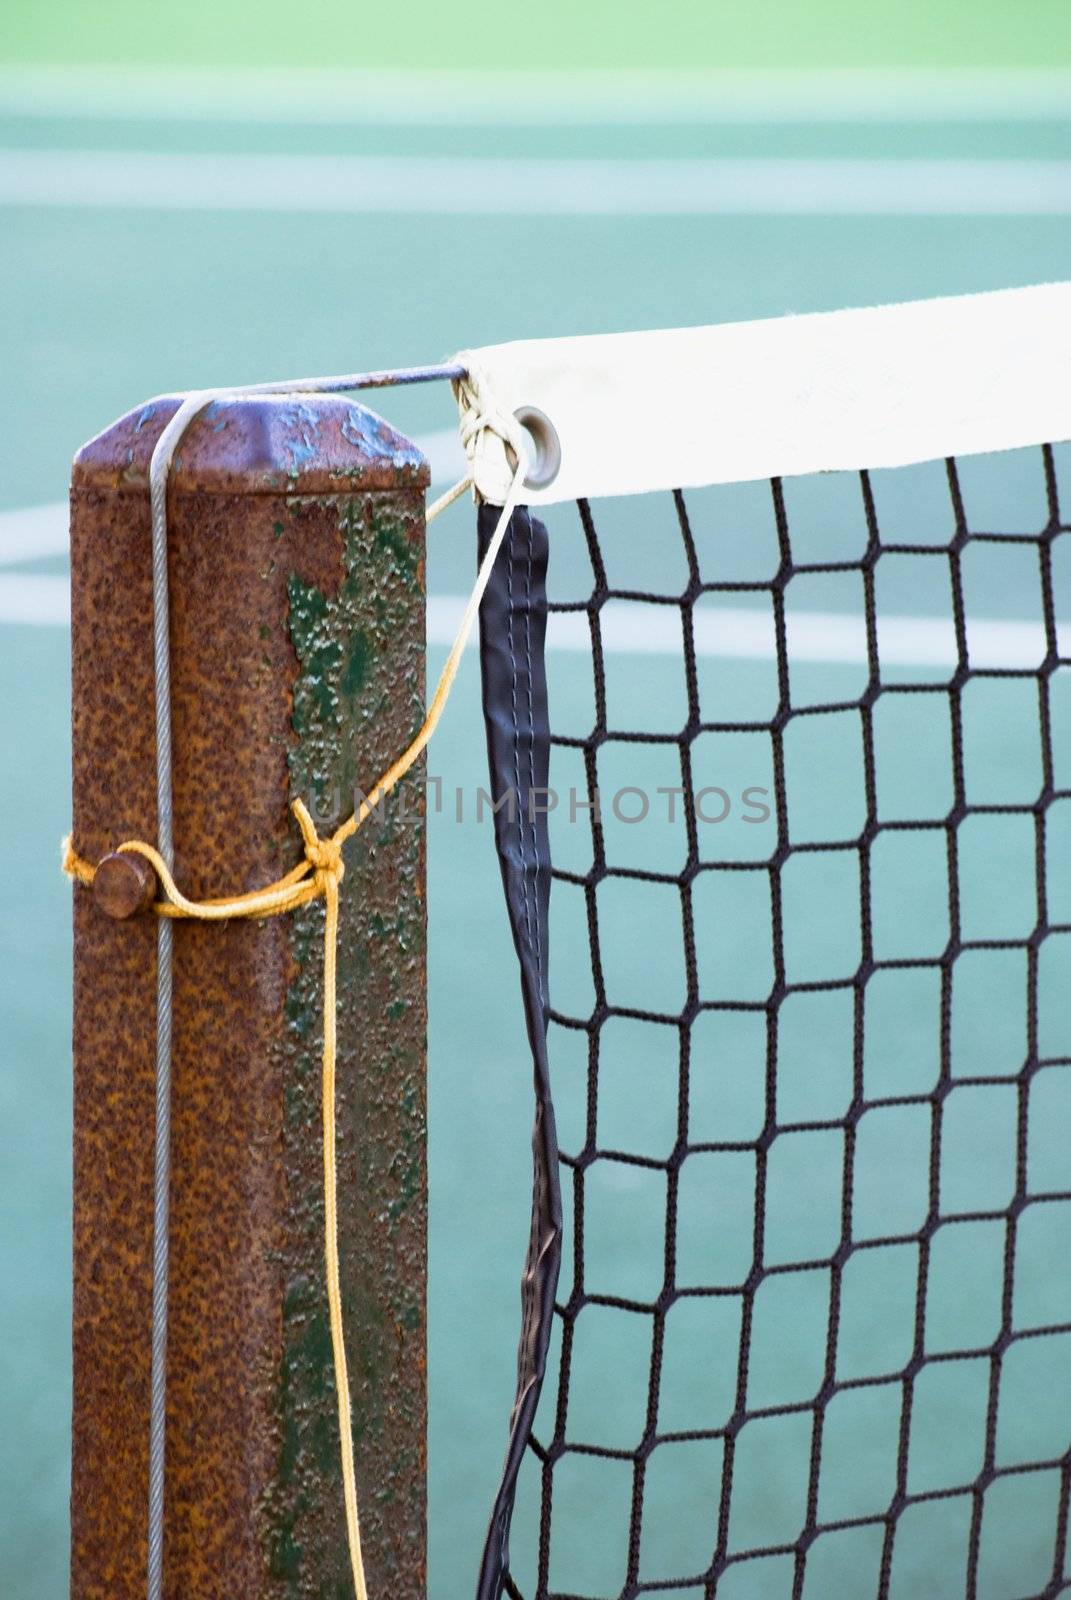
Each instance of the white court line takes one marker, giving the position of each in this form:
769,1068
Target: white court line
33,533
33,598
522,98
496,186
729,634
444,454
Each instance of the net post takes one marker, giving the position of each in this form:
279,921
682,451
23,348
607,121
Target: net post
296,561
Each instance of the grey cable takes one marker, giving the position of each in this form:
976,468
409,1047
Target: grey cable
161,1240
393,378
159,469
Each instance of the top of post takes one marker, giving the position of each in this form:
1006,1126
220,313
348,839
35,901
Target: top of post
265,443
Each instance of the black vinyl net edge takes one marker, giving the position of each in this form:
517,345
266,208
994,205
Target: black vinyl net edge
520,741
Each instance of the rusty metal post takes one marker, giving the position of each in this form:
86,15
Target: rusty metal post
296,560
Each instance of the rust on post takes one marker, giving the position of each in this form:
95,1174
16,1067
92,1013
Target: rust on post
296,565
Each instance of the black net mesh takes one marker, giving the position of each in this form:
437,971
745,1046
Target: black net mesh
809,1032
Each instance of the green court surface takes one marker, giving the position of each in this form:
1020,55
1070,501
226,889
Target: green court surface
105,305
598,33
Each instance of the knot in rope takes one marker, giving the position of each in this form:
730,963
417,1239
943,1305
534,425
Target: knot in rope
493,439
324,855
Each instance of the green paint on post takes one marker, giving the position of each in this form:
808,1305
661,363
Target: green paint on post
357,701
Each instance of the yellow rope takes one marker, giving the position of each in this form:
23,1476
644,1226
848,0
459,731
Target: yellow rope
320,874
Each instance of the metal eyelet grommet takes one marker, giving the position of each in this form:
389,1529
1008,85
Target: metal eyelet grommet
547,460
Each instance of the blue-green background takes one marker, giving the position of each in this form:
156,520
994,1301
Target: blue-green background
101,308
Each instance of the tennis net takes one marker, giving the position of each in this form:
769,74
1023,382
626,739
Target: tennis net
783,768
